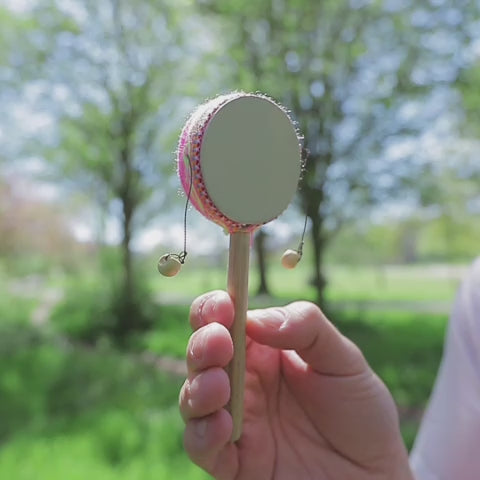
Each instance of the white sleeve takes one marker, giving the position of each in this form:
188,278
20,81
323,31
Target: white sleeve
447,446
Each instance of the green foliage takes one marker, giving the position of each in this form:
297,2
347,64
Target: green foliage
403,348
76,412
87,310
24,264
447,238
92,305
15,310
27,367
170,333
364,245
121,437
468,85
74,457
45,378
453,239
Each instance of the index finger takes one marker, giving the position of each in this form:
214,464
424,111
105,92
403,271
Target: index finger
212,307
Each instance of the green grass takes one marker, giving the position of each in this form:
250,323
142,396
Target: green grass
74,412
94,455
170,334
403,283
15,309
404,349
406,284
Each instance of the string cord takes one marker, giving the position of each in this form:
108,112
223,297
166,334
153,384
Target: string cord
302,241
182,255
305,155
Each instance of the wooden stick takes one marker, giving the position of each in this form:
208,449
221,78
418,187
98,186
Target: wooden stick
238,263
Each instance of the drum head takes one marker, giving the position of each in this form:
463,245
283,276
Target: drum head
250,159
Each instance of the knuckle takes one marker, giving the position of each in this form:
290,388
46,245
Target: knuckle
311,311
307,313
356,353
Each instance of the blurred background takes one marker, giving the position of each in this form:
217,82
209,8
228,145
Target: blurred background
93,97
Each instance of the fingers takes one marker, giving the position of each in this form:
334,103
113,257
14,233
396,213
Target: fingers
204,394
207,388
207,443
210,346
301,326
212,307
209,350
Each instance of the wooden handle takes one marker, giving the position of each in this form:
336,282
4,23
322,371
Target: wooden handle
238,263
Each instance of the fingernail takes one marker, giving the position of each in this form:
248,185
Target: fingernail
210,304
284,325
201,307
200,427
197,347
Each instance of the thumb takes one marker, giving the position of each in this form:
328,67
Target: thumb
302,326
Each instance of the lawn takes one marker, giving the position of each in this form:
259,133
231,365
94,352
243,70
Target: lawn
73,411
345,283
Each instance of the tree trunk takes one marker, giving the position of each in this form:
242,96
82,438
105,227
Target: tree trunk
319,243
127,312
126,320
263,288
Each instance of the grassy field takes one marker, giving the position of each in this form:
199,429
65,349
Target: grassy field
345,283
70,411
74,412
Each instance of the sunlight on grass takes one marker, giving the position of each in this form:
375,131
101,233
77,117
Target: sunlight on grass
81,455
73,412
399,283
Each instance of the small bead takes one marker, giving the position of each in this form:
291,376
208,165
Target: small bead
169,265
290,259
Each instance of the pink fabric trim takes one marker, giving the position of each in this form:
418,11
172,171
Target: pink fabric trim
190,146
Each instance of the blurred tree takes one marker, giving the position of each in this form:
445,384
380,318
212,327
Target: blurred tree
346,69
111,73
261,253
468,87
450,201
34,234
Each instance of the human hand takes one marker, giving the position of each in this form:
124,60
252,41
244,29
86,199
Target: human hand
313,407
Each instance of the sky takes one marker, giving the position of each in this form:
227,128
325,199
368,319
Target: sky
17,5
